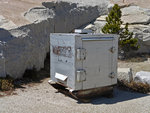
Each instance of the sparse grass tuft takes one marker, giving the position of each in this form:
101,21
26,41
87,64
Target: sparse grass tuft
30,76
136,59
140,57
6,83
134,86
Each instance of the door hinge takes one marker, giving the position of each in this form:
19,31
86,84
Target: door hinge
81,54
112,49
112,75
81,75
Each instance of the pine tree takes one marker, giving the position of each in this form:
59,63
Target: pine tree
114,22
113,26
126,40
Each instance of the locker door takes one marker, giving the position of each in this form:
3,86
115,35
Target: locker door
97,63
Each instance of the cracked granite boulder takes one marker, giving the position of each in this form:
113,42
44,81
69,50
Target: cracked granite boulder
26,47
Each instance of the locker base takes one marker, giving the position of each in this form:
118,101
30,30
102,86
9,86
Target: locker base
84,95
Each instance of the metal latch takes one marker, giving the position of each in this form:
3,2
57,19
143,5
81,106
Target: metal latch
83,31
61,76
112,75
112,49
81,54
81,75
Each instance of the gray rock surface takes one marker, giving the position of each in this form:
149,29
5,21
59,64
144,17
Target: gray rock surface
135,15
38,14
2,66
139,18
97,25
6,24
26,47
142,77
142,33
100,3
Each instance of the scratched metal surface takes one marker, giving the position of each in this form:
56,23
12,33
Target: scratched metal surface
98,64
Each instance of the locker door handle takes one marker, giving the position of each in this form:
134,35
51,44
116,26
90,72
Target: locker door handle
81,75
112,75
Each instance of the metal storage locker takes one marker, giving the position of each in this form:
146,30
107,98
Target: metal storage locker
83,61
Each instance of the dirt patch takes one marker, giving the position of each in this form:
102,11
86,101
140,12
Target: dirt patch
136,63
7,93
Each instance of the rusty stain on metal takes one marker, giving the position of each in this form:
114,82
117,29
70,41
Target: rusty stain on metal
62,51
84,94
94,92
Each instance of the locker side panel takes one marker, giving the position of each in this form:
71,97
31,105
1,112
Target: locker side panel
62,50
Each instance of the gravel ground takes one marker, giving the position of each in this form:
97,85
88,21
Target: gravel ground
136,66
43,98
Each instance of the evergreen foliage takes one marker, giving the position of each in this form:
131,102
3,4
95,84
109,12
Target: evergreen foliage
113,26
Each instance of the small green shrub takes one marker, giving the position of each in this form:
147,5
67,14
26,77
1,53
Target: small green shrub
113,26
6,84
126,40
